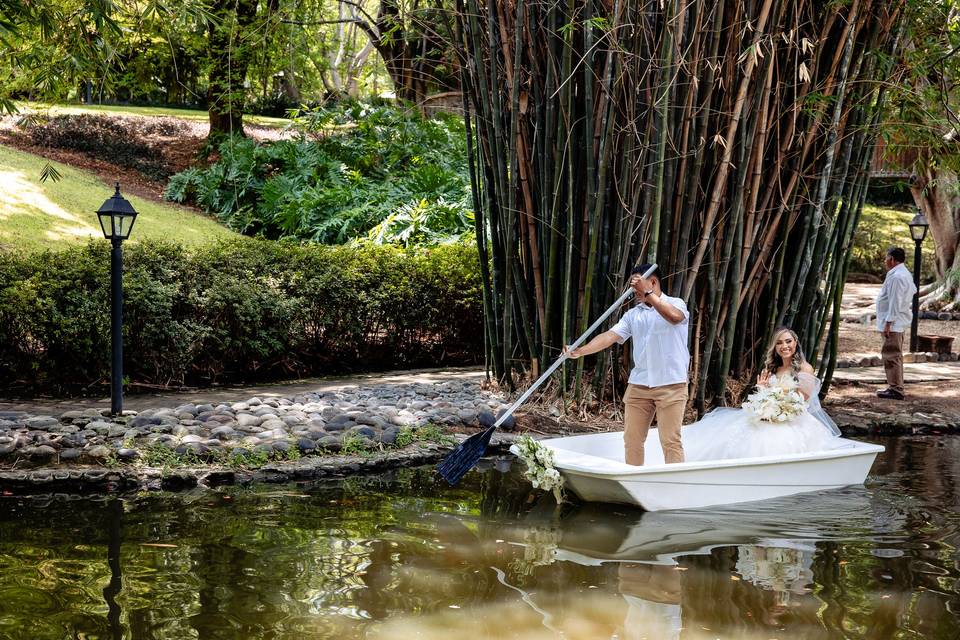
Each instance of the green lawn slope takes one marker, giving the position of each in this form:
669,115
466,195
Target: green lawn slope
38,215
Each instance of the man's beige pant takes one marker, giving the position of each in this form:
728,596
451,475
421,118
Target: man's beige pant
892,355
640,404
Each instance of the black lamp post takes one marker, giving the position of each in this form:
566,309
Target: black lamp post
116,219
918,231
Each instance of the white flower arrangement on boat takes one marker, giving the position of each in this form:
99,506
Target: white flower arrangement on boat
779,401
540,469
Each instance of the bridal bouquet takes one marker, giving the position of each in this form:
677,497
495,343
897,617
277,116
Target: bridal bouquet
779,401
540,470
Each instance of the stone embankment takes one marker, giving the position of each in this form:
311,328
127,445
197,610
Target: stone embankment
362,429
305,436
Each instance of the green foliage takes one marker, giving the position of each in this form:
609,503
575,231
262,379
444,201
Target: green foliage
354,170
879,229
159,455
243,310
426,433
356,445
247,459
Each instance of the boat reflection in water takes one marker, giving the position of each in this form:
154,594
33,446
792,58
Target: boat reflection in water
743,569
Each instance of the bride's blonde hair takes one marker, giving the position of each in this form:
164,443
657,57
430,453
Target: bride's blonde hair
774,361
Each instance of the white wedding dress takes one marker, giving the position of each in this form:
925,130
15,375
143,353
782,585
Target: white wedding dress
726,433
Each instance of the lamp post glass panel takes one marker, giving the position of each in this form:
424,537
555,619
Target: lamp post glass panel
116,220
918,231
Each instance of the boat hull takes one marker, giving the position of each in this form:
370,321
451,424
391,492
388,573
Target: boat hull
594,470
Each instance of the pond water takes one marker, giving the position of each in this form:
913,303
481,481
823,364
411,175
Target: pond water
403,556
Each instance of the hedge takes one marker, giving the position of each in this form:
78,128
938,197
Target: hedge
244,310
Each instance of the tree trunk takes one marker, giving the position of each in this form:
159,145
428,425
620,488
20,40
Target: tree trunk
229,58
937,193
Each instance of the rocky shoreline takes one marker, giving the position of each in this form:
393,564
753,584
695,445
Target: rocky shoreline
304,437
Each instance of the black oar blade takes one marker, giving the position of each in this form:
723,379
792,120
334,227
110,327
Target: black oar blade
464,457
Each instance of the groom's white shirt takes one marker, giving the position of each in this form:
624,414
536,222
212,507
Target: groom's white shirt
895,300
660,353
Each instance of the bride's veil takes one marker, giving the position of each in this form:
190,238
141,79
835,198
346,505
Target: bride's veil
814,408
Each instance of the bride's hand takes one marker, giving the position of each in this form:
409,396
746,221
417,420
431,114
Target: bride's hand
763,379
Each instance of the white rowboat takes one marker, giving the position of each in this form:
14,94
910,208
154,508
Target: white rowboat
594,469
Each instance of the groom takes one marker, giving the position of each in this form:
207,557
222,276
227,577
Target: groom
658,380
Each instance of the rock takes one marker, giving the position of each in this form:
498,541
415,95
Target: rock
128,455
143,421
248,420
274,425
65,428
116,430
364,431
389,436
98,453
467,416
223,433
373,421
41,453
944,315
73,440
71,415
331,443
338,419
306,445
204,408
69,455
509,424
486,419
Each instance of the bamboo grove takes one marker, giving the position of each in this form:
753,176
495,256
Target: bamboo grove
728,141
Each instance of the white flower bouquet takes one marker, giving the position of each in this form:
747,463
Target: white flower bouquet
540,470
779,401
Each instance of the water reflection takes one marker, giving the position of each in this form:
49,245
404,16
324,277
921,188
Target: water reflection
401,555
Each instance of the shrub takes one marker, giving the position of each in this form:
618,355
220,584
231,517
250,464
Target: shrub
352,168
240,311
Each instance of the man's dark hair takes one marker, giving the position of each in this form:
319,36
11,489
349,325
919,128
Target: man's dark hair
897,253
642,269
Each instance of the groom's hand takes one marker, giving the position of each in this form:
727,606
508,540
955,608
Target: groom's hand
640,285
573,354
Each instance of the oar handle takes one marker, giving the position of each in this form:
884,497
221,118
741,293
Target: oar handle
546,374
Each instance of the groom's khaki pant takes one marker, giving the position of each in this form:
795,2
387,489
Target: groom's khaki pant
640,404
892,355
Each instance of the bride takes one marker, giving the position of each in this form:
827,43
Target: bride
736,433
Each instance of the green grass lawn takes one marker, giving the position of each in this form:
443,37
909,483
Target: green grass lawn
38,215
185,114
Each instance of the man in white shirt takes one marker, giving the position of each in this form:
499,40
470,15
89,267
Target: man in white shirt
894,315
661,362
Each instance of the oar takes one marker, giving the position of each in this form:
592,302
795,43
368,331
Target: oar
464,457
